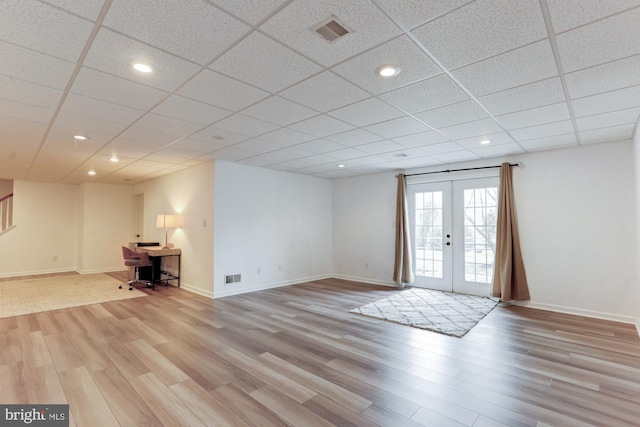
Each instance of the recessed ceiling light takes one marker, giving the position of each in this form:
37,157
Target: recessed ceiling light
114,159
341,165
485,141
143,68
92,172
388,71
80,137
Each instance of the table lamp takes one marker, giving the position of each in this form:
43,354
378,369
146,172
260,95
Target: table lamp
168,221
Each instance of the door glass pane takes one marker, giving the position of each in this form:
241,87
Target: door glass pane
428,234
480,217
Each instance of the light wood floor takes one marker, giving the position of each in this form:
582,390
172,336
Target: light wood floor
295,356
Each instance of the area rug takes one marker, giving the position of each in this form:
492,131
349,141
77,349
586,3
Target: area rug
18,297
444,312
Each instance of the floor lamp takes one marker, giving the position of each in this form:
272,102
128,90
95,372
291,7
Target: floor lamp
168,221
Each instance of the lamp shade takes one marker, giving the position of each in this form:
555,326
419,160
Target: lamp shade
168,221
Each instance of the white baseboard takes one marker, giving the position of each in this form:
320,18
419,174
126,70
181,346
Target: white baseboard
580,312
36,272
365,280
234,289
196,290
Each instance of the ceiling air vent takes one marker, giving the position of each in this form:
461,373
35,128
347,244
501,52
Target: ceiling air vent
331,30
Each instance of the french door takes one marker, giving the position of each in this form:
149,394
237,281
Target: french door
453,234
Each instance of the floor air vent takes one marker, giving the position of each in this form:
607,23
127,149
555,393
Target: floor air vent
331,30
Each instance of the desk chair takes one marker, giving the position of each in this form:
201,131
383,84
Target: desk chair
136,260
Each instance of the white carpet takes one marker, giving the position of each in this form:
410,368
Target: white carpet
444,312
18,297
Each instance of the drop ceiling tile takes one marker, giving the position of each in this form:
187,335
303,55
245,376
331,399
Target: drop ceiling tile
397,128
321,126
461,112
415,12
94,108
550,142
307,162
515,68
402,52
366,112
152,138
542,131
479,128
278,156
86,8
29,93
194,146
456,156
533,95
163,157
600,42
381,147
115,54
286,136
425,95
615,118
605,77
566,15
498,150
609,101
265,63
216,135
245,125
257,146
98,131
295,23
31,113
189,110
610,134
221,91
347,154
279,111
43,28
535,116
194,30
169,125
498,138
461,37
319,146
20,134
421,139
354,137
27,65
231,154
324,92
252,11
440,148
105,87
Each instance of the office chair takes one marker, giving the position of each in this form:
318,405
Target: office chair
136,260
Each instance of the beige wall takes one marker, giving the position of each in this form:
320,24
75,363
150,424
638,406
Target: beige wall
190,193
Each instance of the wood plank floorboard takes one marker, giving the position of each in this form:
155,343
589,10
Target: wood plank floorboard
295,356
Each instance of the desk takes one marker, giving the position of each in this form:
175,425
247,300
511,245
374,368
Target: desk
164,270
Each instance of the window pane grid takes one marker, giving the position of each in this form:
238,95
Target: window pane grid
480,217
428,232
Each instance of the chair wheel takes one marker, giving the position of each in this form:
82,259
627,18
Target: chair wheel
120,287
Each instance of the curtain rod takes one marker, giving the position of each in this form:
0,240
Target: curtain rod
459,170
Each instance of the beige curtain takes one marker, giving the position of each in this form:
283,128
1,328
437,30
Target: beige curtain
402,268
509,278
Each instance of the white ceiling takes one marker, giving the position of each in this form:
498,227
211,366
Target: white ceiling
249,81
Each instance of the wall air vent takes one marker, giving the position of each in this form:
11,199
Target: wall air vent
331,30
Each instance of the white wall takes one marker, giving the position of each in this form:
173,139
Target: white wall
105,220
61,227
46,234
364,227
277,222
190,193
577,224
636,159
